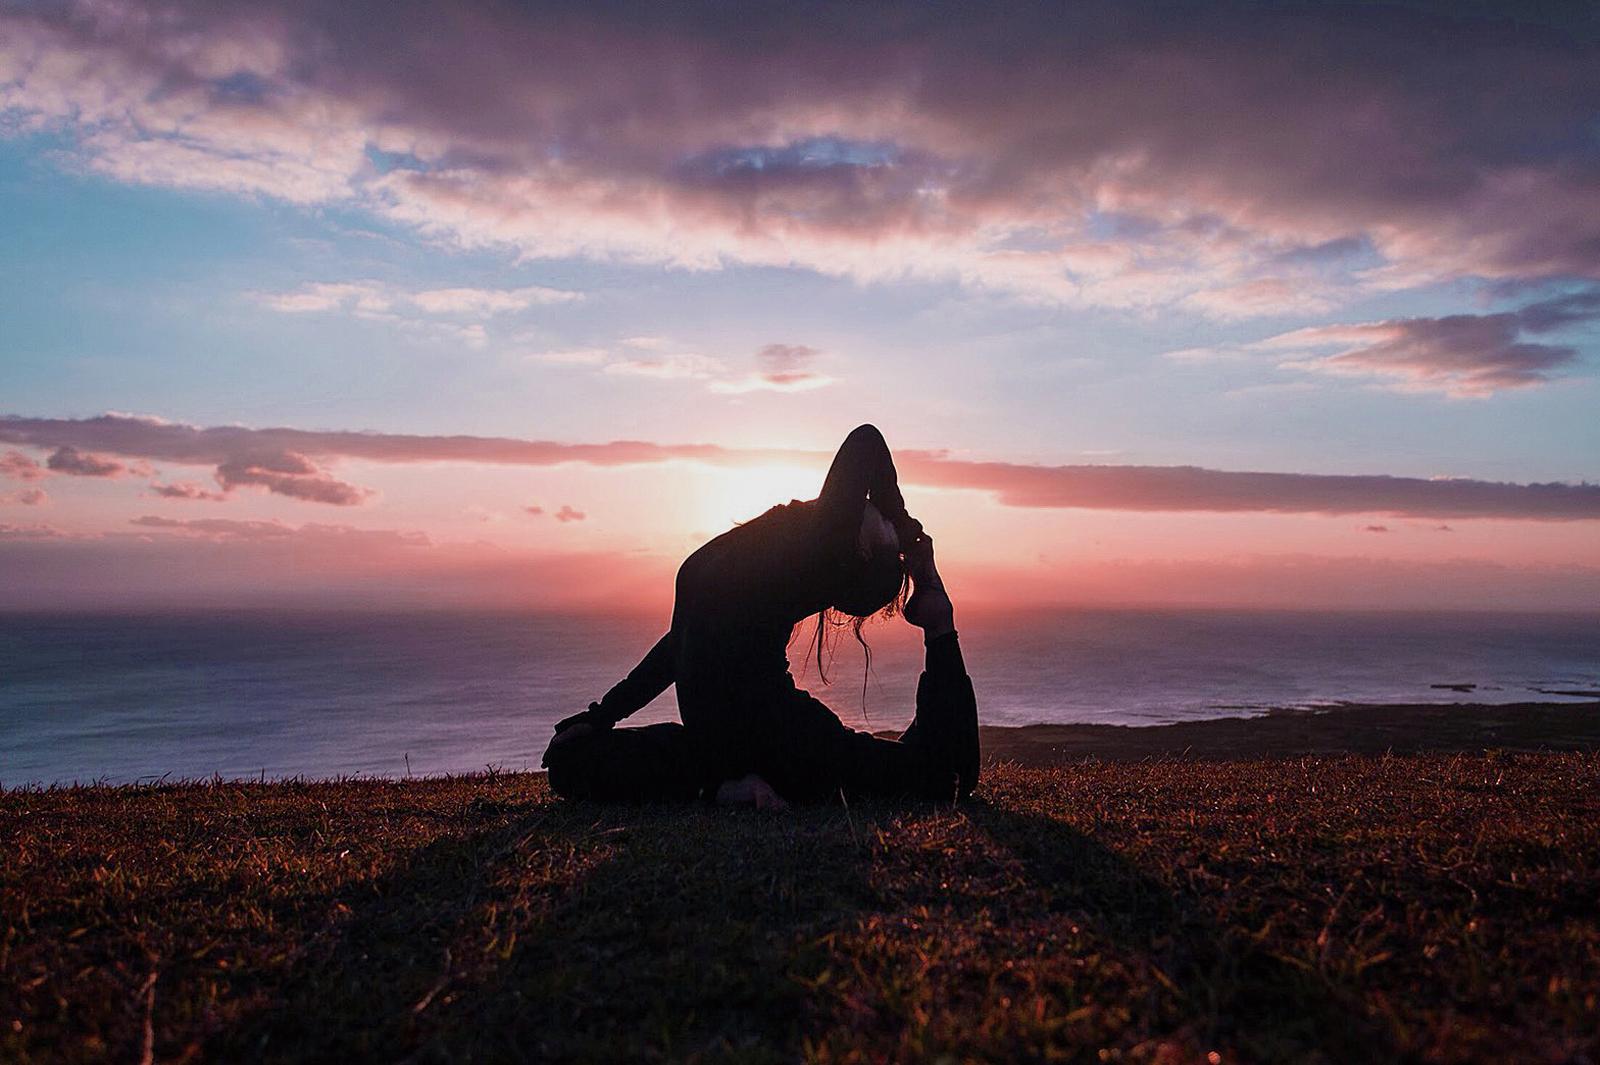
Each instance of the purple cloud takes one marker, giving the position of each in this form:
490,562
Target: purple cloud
1097,152
188,490
289,474
74,463
1460,354
269,455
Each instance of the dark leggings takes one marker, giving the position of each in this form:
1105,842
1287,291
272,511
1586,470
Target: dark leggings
801,748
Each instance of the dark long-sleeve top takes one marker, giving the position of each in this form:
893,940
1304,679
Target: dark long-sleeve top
739,596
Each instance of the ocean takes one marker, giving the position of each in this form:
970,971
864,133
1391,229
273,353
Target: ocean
123,698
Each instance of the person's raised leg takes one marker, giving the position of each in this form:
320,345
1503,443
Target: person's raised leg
947,709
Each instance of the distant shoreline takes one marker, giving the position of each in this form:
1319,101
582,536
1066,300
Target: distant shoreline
1342,729
1347,728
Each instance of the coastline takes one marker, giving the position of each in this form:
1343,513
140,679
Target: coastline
1346,728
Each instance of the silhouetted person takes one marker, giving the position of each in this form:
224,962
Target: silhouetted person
748,733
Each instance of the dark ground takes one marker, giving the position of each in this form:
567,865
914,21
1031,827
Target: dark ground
1436,907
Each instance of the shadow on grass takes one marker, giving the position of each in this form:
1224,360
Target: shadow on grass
573,931
1212,984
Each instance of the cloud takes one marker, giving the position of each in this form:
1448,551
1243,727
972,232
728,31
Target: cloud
226,529
783,368
28,497
186,490
670,367
535,511
217,528
1472,355
780,367
488,301
34,532
573,357
375,299
285,460
367,297
19,467
1375,528
289,474
1261,297
70,461
567,513
1094,153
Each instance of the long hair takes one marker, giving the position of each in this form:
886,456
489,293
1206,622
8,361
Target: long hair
824,637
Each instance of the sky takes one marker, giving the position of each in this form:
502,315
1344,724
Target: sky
513,305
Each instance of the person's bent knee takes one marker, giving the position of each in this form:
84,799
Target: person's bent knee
572,768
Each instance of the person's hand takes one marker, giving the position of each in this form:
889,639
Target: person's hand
908,531
571,728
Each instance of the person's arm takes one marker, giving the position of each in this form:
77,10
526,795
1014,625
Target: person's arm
632,693
863,469
643,683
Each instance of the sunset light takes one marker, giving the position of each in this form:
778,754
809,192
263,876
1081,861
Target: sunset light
442,617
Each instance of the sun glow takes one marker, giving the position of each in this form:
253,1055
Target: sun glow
726,496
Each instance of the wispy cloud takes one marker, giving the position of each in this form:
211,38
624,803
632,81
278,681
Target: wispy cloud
376,298
232,530
1472,355
780,368
287,461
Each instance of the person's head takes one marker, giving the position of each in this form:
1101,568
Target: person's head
874,576
872,581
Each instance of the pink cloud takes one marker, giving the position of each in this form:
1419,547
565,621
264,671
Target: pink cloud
567,513
228,529
781,368
283,460
10,531
19,467
1095,153
28,497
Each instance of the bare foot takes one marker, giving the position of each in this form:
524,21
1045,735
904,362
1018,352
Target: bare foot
750,791
929,607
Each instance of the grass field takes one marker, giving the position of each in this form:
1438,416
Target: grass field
1353,908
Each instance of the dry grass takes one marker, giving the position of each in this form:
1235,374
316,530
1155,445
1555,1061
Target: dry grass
1325,909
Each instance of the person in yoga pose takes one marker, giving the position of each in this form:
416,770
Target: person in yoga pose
748,733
